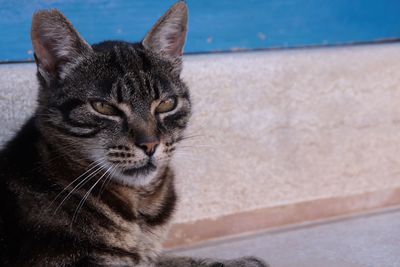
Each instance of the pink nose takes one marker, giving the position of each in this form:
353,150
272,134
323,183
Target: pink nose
149,147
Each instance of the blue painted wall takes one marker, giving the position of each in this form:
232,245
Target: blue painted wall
215,25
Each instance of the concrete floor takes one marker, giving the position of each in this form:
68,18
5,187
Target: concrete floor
371,240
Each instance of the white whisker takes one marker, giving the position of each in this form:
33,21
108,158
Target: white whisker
91,167
82,202
80,184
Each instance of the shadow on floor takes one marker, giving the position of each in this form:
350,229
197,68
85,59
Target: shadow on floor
371,240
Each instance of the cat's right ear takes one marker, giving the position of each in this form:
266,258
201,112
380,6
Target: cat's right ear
56,43
168,35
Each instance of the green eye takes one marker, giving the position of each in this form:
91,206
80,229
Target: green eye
104,108
166,105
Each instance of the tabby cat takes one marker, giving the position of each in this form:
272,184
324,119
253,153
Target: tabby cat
86,181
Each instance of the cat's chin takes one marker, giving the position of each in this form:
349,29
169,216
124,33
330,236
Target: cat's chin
139,171
135,177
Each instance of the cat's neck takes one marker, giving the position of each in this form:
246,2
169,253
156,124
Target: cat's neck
57,165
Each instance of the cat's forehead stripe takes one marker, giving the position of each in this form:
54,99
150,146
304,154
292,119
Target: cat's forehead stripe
141,86
118,90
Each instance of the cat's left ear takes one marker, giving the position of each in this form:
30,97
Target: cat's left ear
56,43
168,35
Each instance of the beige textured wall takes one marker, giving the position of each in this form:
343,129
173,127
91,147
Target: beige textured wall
273,128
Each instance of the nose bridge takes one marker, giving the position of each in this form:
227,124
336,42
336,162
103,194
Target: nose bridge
147,140
143,130
140,127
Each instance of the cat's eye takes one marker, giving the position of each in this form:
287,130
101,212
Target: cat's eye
166,105
104,108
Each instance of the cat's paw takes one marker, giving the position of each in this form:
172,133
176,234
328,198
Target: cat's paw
246,262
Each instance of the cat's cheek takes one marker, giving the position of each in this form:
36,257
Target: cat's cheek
163,154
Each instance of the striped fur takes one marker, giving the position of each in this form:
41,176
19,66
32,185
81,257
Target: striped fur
77,186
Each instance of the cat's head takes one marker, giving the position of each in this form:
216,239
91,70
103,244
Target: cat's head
117,106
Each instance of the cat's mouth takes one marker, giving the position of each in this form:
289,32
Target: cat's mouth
143,170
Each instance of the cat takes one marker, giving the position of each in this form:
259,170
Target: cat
86,181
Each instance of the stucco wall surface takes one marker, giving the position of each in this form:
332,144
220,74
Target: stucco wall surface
272,128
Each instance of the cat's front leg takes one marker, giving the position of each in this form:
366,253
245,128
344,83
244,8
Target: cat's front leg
171,261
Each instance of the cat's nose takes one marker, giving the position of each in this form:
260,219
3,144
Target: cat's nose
149,146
